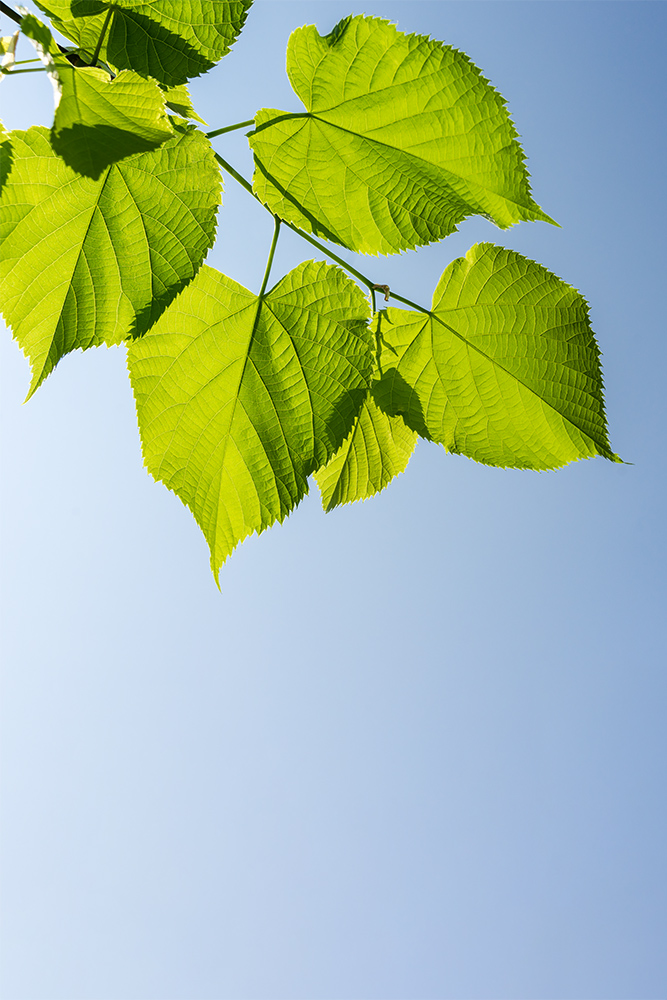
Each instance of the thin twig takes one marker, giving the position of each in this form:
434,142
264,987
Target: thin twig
101,38
371,285
10,13
228,128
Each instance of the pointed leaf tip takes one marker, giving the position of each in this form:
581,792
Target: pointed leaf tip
402,139
240,401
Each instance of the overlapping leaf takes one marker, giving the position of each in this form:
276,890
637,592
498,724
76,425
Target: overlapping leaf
168,40
377,448
179,101
100,121
86,262
238,404
5,155
402,138
505,369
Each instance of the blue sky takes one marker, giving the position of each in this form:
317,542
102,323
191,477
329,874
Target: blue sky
414,748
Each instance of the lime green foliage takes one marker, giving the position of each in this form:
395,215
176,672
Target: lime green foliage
5,155
505,369
84,262
179,101
241,397
169,40
100,121
402,139
377,449
239,400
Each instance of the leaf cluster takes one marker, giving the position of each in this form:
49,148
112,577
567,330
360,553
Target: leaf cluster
107,217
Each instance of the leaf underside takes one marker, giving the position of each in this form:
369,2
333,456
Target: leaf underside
376,450
401,140
100,121
168,40
85,262
505,369
238,405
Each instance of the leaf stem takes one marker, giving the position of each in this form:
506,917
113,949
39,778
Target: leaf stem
274,243
15,72
228,128
409,302
371,285
267,272
102,34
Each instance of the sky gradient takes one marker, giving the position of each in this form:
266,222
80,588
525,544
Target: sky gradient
414,748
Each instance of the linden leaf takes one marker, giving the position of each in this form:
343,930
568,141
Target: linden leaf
377,448
166,40
85,262
240,400
100,121
402,139
504,369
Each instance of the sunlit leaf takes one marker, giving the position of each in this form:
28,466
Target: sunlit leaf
178,100
401,139
238,405
85,262
168,40
99,121
505,369
377,449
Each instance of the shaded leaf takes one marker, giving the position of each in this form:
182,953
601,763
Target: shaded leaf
5,155
179,101
238,405
168,40
505,369
99,121
402,138
86,262
377,448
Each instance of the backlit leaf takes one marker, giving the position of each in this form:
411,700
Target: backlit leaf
238,405
377,449
168,40
85,262
5,155
99,121
402,138
178,100
505,369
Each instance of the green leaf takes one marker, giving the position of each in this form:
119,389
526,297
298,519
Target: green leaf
41,37
377,449
169,41
238,405
401,140
86,262
5,155
99,121
505,369
179,101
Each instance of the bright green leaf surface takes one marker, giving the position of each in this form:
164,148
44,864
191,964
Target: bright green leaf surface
86,262
5,154
237,407
402,139
100,121
169,40
377,449
178,100
505,369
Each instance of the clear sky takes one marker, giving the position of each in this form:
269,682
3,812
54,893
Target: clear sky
414,748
